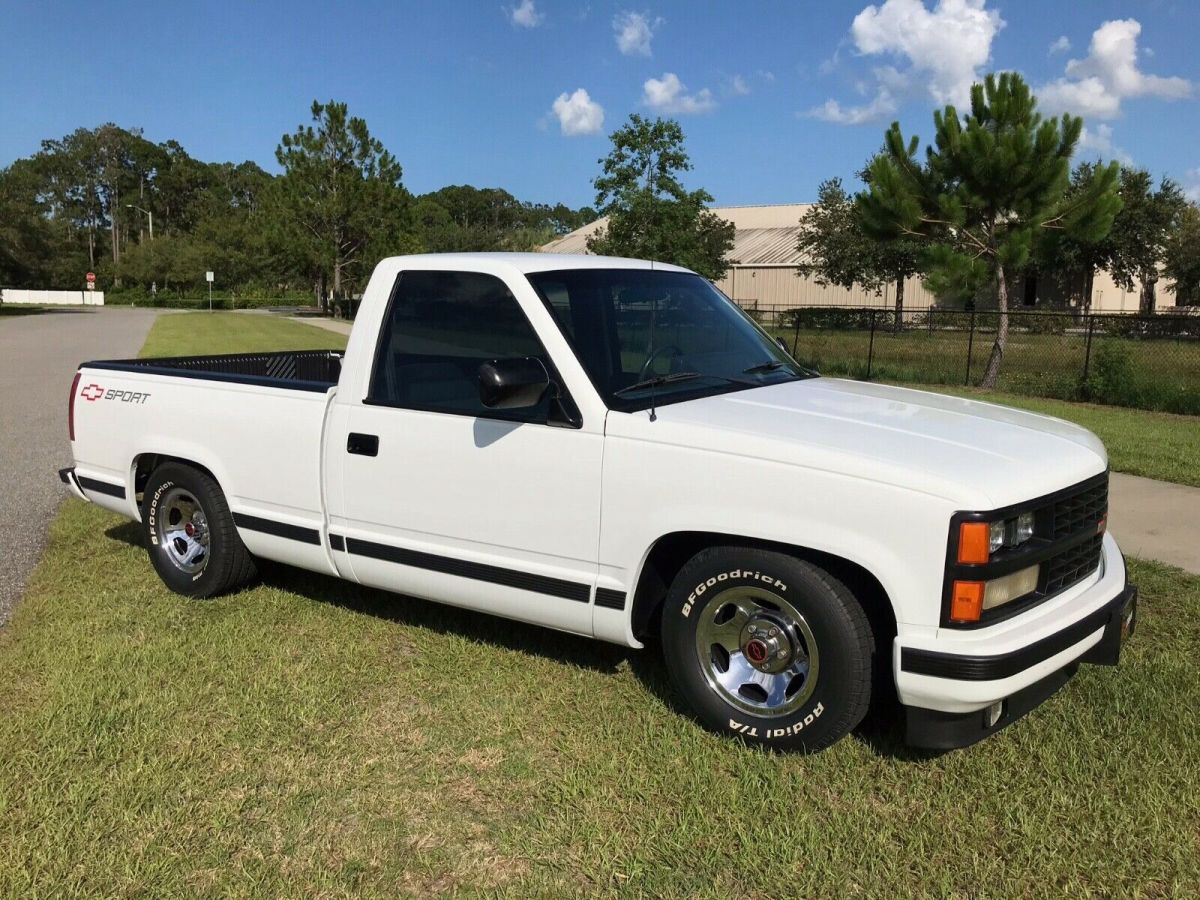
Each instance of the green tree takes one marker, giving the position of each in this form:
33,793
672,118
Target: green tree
341,195
992,181
1140,232
1133,249
1181,260
650,213
836,249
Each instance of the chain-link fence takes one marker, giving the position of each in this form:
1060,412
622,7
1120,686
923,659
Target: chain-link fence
1149,362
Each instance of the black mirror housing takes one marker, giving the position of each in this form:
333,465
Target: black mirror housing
516,383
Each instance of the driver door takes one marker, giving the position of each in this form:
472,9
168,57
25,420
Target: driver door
446,499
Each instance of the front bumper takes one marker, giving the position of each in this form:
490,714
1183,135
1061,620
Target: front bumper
938,730
960,686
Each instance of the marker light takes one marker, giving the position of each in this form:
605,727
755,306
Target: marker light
974,542
966,601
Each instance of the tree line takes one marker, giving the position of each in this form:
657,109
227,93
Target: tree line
143,215
993,199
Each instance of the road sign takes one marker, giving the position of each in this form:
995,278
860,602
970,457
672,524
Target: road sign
91,277
208,276
91,285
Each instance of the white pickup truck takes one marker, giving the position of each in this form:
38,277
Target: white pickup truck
610,447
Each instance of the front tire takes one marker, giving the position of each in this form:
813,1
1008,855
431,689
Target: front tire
768,648
190,535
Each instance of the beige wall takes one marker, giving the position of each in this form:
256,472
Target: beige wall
780,286
1108,296
767,286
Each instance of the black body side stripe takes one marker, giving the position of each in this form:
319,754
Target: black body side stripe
539,584
101,487
279,529
610,599
337,542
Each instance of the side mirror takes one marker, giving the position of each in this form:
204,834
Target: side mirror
516,383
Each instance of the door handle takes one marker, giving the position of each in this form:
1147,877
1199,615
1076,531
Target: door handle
362,444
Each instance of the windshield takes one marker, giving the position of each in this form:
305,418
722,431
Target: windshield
646,335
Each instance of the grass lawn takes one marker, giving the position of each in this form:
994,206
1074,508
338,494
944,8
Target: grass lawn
1155,445
310,738
197,333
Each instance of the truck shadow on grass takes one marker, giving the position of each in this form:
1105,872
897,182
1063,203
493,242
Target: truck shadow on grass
882,730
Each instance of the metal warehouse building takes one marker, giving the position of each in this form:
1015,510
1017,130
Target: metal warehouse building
764,275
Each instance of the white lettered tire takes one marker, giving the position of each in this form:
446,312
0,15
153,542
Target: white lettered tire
190,534
768,648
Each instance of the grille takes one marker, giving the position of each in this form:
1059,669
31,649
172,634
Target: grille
1061,571
1083,510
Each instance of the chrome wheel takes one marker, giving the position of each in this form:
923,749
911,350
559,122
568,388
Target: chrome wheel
182,530
756,651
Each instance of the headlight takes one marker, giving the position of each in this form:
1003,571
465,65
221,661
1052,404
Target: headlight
977,541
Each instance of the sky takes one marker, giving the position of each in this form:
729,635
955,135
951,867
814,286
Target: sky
774,97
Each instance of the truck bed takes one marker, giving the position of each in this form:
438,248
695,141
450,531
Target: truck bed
306,370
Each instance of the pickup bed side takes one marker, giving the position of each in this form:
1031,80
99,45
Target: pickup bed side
254,421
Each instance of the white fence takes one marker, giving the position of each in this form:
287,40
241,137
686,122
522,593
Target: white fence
53,298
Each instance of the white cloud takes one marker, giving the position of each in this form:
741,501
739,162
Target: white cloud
634,31
766,76
1095,85
1191,185
1099,140
669,95
739,86
1088,97
578,113
944,48
831,111
525,15
946,45
1062,45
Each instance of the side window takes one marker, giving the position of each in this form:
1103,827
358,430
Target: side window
440,327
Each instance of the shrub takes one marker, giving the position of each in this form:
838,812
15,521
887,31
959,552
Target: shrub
836,318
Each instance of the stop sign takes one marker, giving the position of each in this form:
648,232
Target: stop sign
91,277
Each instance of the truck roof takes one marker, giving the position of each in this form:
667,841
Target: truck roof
531,262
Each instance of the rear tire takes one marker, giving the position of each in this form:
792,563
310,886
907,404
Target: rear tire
768,648
190,535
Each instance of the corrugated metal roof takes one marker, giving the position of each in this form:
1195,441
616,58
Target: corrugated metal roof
766,235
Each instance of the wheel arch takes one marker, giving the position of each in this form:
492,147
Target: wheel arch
144,464
671,551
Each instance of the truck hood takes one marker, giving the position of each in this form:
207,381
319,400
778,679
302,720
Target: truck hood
978,455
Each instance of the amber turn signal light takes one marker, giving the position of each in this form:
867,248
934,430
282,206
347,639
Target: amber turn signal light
973,542
966,600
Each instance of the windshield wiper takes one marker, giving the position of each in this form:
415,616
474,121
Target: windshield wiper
769,366
658,380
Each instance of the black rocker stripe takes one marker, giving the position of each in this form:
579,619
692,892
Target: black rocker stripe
101,487
539,584
988,668
337,542
610,599
278,529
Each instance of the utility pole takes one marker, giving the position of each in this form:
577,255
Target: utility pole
149,216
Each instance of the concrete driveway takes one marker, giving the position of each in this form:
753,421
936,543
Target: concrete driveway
1156,520
38,357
